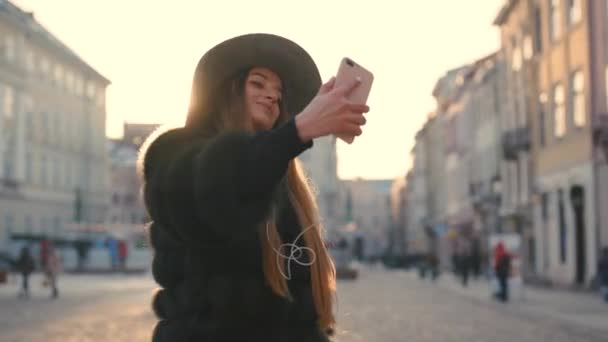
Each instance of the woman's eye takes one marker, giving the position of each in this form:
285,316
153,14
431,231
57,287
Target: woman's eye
258,84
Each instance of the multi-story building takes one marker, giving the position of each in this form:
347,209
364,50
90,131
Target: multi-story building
419,201
126,206
556,60
517,169
486,89
53,161
321,165
399,210
441,138
370,204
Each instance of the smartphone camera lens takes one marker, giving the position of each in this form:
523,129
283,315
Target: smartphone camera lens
349,62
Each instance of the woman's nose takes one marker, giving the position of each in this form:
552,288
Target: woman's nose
272,95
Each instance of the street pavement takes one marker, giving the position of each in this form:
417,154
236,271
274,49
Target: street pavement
380,305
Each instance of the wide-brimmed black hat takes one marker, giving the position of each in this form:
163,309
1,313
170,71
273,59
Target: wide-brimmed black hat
296,68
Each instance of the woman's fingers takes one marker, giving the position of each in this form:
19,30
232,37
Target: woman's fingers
358,108
356,118
349,128
328,86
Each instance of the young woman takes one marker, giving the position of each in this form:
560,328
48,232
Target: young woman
238,245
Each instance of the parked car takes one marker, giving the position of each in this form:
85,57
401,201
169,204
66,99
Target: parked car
343,260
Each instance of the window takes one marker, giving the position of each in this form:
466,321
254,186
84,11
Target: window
78,86
44,129
544,206
90,90
45,66
69,81
538,29
58,75
577,98
575,12
516,59
555,15
528,48
9,48
43,171
8,166
44,225
56,224
50,121
9,223
9,101
542,107
28,167
68,174
29,61
559,112
562,227
606,83
56,174
29,224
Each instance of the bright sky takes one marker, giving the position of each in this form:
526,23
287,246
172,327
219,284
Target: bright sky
149,50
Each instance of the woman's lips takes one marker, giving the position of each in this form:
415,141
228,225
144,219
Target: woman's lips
267,108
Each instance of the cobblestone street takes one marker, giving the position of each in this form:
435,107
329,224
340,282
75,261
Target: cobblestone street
380,306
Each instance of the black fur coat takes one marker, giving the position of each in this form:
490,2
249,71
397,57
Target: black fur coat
206,198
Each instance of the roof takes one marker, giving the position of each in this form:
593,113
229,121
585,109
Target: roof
504,12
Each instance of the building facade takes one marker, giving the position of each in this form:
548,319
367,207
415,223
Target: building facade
126,206
321,165
370,203
557,50
53,161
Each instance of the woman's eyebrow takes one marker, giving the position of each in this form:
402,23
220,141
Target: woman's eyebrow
266,78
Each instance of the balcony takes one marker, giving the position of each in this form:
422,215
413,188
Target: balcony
600,131
514,141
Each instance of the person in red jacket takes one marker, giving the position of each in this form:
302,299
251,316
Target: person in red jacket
502,268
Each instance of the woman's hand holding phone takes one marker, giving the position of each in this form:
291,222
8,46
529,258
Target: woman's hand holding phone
331,112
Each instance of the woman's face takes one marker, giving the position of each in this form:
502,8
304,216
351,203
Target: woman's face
262,96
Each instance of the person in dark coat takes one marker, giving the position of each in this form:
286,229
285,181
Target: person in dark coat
25,266
602,273
238,248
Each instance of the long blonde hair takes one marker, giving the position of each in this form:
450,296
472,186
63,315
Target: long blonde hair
222,109
322,270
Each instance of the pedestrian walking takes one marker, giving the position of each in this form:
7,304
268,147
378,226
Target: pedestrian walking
123,253
25,265
464,260
238,244
53,268
502,262
602,273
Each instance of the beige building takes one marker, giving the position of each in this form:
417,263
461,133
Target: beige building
399,212
486,108
556,53
52,132
371,213
126,206
418,202
321,165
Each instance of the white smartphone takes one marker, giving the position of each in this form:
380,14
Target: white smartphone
348,71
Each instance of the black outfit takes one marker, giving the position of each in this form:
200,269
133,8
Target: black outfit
602,270
207,199
25,265
503,268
